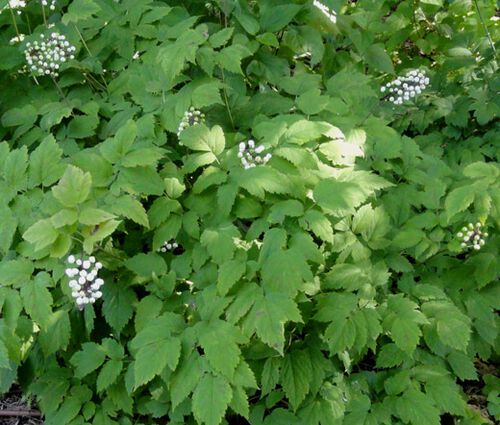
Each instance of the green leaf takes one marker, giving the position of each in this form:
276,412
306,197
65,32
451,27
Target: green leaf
45,167
108,374
152,358
147,264
7,229
15,272
41,234
453,327
390,355
259,180
118,304
56,336
64,217
269,315
14,169
93,216
338,196
446,395
459,200
274,18
88,359
221,37
116,148
403,321
147,345
130,208
304,131
211,399
282,209
141,181
377,57
295,376
230,272
319,225
52,114
103,230
73,188
185,378
219,340
174,56
415,407
230,57
37,300
462,365
142,157
219,242
4,357
80,10
201,138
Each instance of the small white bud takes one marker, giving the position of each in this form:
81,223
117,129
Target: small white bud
463,244
259,149
71,259
78,262
92,259
79,300
99,282
251,143
86,264
98,294
476,247
460,234
98,265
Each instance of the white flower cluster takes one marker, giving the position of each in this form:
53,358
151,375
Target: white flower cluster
191,117
17,39
44,57
472,236
168,246
16,5
51,4
84,281
326,11
406,87
250,155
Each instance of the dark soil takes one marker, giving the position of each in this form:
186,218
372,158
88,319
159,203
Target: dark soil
15,403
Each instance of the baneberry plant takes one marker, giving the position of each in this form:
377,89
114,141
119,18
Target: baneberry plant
210,212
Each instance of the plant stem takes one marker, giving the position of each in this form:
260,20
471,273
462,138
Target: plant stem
89,52
44,17
15,23
485,27
226,101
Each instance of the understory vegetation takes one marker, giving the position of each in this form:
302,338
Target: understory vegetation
250,212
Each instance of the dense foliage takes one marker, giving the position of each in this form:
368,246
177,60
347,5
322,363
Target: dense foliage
275,238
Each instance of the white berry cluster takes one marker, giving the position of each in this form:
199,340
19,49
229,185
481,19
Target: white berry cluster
16,5
251,155
168,246
406,87
51,4
191,117
472,236
84,281
45,57
17,39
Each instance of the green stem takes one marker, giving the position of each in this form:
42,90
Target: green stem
15,23
44,17
226,101
90,53
485,27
